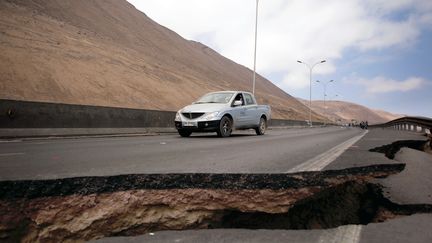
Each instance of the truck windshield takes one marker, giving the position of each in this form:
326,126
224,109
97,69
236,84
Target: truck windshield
224,97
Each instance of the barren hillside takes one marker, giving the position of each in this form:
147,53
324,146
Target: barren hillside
346,112
107,53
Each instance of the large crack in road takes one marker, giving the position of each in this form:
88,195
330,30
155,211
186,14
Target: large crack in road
85,208
390,150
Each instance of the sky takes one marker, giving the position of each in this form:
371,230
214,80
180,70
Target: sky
378,52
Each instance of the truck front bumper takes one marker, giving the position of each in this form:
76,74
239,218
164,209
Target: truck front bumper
201,126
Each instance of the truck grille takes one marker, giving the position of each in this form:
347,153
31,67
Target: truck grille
192,115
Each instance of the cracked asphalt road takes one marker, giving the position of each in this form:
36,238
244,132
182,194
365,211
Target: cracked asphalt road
410,186
277,151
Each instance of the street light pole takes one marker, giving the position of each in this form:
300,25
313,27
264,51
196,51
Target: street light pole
310,86
324,84
337,110
255,49
325,94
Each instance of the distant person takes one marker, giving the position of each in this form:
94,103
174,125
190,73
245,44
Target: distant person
362,125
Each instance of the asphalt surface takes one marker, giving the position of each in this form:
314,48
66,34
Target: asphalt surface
276,152
412,186
359,155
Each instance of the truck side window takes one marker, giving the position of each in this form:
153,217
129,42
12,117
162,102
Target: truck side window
249,99
239,97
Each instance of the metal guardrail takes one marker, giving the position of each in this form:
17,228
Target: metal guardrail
408,123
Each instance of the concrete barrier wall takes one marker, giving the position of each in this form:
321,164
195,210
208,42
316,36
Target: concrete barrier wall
290,123
25,114
25,118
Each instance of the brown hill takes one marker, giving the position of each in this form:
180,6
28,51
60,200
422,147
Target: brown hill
107,53
387,115
346,112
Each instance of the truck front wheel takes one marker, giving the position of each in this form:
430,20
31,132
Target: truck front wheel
225,127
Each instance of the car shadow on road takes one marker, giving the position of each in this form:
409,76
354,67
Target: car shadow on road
216,136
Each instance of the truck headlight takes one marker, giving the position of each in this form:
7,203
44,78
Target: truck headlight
211,115
177,117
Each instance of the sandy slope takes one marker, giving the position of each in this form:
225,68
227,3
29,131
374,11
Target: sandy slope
108,53
346,112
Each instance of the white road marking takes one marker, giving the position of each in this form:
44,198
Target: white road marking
11,141
322,160
11,154
342,234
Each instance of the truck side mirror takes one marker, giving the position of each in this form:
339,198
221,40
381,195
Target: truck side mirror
237,103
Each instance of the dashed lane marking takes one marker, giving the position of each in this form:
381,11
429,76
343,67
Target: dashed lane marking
11,141
11,154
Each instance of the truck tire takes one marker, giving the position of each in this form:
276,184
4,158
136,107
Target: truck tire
225,127
261,129
184,133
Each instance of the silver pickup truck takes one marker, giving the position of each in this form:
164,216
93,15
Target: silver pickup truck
221,112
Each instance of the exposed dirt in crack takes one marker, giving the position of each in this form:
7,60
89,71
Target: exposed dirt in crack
69,210
348,203
390,150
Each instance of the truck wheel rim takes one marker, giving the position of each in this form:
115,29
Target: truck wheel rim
262,126
226,126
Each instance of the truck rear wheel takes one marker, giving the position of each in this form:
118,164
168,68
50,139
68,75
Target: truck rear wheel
262,127
225,127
